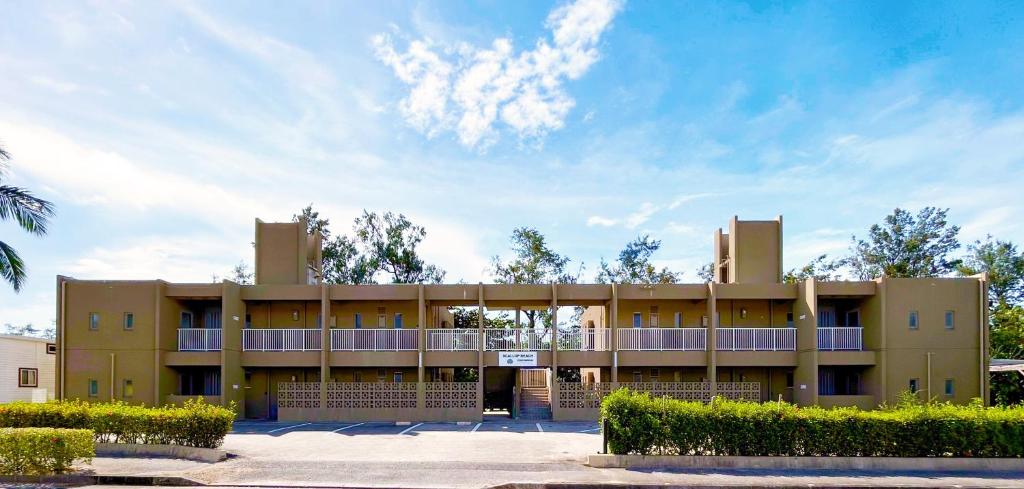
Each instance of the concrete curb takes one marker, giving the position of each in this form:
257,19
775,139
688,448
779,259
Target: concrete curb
208,455
71,480
938,464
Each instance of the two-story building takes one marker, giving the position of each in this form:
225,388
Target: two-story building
395,352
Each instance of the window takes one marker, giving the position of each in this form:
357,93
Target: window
398,377
638,376
94,321
789,319
789,379
28,377
358,321
838,381
381,374
382,321
912,320
654,320
398,321
94,388
357,376
950,319
638,320
129,321
248,320
186,320
949,387
678,320
655,373
127,389
913,386
51,348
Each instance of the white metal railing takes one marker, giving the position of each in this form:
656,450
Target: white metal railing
587,339
756,339
374,339
840,338
281,339
517,339
453,340
663,339
199,339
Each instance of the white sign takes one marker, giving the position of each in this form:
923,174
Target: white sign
517,358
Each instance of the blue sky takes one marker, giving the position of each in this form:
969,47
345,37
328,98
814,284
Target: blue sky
162,130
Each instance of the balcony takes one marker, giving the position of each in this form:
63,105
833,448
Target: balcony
453,340
663,339
281,340
756,339
841,338
517,339
589,339
374,340
199,339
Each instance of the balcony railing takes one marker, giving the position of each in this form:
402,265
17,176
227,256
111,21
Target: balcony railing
587,339
663,339
756,339
281,339
453,340
374,339
840,338
199,339
517,339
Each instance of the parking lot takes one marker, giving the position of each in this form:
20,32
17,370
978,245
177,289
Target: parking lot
281,428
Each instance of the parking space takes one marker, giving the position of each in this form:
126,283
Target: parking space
281,428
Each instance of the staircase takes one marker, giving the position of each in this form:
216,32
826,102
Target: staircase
535,403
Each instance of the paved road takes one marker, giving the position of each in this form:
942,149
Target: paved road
495,452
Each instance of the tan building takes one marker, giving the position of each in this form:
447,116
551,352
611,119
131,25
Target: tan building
394,352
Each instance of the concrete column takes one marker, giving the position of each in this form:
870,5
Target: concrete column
480,346
805,317
158,294
554,334
712,336
421,322
614,321
325,343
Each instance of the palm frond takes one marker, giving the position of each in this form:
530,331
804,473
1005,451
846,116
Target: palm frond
12,268
31,212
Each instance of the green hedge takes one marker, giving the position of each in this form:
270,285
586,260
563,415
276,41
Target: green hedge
42,451
196,424
639,424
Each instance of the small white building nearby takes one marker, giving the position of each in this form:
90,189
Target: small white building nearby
27,368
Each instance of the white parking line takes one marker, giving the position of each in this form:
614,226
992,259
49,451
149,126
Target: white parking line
289,427
539,428
410,428
588,431
475,428
347,427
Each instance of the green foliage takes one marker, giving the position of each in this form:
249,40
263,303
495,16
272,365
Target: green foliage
31,214
391,240
905,245
196,424
1004,266
820,268
534,261
634,265
640,424
43,451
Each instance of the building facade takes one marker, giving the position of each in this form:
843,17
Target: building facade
396,352
27,368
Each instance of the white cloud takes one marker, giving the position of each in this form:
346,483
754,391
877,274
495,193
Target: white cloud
678,228
478,87
171,258
682,199
601,221
642,215
61,87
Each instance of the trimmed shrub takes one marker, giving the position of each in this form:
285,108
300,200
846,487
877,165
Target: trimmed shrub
43,451
196,424
640,424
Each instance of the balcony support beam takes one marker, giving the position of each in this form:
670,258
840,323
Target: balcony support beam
325,341
615,333
711,339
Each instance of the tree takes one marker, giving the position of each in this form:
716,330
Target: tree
391,240
634,265
30,330
707,272
533,263
1007,341
905,245
342,261
241,274
820,268
466,318
31,213
1004,266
